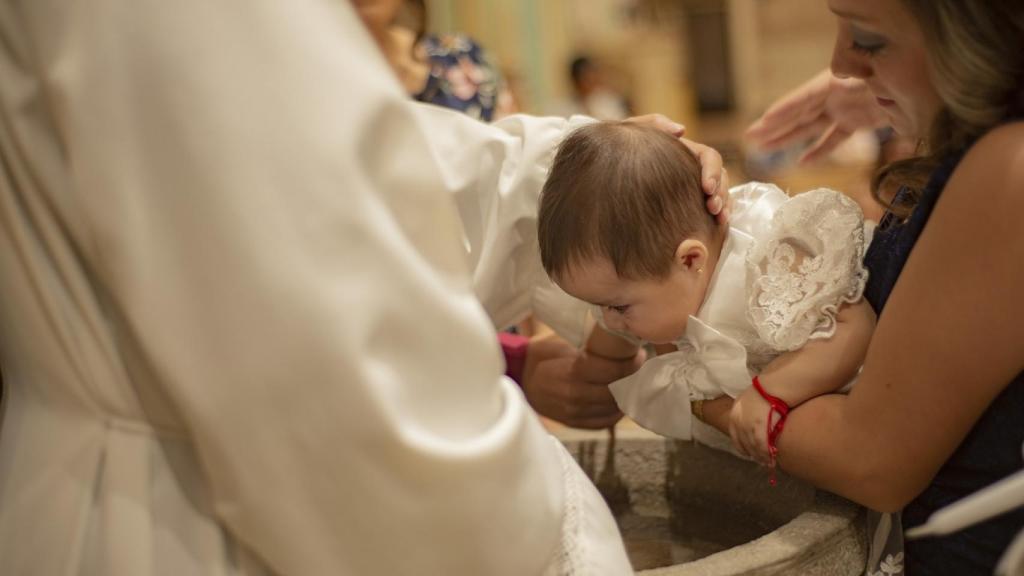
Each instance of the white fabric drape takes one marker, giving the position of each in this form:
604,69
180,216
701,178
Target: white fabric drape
237,325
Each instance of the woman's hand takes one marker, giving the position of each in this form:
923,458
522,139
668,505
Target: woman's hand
748,425
825,107
714,178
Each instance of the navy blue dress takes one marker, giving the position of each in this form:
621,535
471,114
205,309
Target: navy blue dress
992,449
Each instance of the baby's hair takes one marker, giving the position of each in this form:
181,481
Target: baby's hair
624,192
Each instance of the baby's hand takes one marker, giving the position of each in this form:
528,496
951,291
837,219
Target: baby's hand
748,425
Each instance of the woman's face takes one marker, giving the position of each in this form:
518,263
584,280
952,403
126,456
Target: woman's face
880,42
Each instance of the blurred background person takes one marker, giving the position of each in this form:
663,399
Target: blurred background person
450,70
592,94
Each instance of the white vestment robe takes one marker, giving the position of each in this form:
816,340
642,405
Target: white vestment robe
238,326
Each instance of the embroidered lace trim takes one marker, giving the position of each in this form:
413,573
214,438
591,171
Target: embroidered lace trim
571,551
808,265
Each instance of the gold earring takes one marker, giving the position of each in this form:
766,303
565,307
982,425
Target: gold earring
700,270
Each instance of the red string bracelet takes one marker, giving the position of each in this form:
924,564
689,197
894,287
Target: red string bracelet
776,406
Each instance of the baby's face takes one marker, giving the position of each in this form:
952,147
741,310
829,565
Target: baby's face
654,310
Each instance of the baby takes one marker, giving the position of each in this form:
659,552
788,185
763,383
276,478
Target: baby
773,300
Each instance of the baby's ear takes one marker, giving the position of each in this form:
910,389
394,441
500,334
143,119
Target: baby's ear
692,254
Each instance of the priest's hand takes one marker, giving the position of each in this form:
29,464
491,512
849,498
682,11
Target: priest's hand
571,386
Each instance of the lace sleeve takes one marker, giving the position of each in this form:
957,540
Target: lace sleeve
805,267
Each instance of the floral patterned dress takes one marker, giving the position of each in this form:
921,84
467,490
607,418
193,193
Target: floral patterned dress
462,76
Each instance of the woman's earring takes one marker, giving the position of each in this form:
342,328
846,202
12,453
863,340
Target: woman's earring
700,270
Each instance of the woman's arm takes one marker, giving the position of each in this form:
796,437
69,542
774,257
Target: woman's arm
825,365
945,347
819,367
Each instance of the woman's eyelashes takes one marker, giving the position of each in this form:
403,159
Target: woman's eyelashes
618,309
866,43
868,50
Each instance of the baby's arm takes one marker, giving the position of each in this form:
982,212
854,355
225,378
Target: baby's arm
819,367
825,365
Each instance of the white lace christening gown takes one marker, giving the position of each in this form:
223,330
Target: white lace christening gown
785,269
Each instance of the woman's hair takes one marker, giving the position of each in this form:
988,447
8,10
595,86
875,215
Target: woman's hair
976,62
624,192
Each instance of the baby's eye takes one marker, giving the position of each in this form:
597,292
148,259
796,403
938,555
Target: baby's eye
619,309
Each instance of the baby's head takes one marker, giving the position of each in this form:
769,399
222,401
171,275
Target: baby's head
623,225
